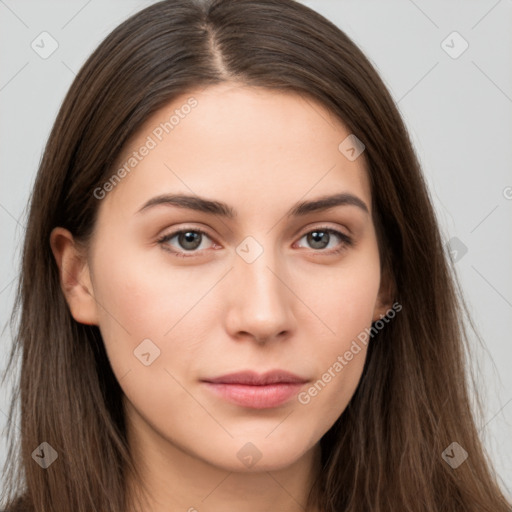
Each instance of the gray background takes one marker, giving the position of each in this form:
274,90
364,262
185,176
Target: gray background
458,111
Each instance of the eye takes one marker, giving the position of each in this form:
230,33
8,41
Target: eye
321,237
189,240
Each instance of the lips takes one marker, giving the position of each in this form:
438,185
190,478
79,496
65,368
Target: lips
250,378
256,391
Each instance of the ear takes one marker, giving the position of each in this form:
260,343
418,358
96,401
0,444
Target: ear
75,279
385,296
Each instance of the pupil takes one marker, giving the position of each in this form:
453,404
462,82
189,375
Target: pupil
190,238
316,239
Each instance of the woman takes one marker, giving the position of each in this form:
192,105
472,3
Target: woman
234,293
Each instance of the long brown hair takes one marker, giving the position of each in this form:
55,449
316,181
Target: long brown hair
384,453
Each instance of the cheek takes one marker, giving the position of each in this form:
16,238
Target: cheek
152,334
340,357
345,305
138,302
341,297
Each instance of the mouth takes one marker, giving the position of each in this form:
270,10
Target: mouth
256,391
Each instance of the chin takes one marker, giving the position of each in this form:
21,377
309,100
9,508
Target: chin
253,454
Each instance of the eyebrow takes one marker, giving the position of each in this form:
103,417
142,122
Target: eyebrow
219,208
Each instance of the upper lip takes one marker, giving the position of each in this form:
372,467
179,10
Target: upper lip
252,378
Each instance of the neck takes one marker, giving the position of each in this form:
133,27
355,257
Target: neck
176,480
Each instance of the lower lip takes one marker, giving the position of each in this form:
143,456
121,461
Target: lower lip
256,397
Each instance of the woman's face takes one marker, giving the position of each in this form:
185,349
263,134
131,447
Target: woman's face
266,287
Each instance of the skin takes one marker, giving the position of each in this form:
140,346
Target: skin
295,307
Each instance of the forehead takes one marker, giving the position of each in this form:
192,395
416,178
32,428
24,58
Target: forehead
246,145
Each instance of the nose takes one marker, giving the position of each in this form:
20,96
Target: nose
260,302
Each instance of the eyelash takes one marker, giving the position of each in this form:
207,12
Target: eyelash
346,241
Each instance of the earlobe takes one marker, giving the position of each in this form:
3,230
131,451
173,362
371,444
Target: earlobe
74,275
385,297
380,311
